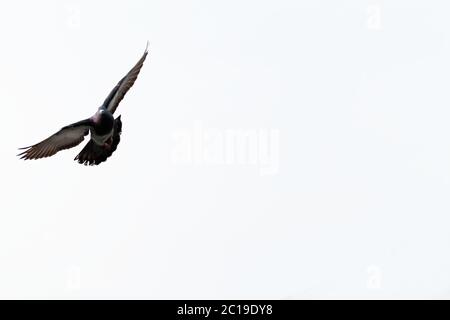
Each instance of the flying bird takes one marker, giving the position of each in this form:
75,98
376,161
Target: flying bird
105,130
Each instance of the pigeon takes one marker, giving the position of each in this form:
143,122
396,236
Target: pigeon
105,130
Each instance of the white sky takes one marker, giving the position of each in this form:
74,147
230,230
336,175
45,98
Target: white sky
354,95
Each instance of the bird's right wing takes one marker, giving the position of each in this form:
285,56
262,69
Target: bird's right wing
118,93
68,137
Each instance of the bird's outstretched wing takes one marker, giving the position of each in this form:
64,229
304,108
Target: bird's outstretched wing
68,137
112,101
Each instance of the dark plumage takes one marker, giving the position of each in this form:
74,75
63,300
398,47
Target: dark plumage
93,154
105,130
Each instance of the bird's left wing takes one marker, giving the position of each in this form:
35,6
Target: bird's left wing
118,93
68,137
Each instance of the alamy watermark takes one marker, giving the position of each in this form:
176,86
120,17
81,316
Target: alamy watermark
212,146
374,277
73,278
73,16
374,17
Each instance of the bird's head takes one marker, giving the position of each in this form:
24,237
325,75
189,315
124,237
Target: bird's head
97,117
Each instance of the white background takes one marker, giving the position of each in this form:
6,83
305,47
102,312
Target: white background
358,206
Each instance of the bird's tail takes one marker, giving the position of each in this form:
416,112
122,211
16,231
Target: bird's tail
93,154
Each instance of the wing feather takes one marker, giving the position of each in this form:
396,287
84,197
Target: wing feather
68,137
118,93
